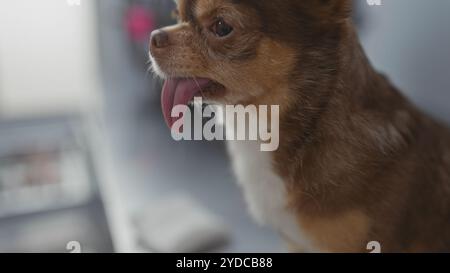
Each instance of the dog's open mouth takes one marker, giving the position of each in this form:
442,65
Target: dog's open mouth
181,91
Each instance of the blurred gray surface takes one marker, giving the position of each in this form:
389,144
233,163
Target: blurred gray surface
47,222
409,40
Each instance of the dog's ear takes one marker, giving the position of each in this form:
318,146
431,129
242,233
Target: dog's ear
330,11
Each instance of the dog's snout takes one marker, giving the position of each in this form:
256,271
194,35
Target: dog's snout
159,39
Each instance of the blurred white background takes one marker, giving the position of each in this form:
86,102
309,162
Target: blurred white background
48,57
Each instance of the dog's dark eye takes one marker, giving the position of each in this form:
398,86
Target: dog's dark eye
221,28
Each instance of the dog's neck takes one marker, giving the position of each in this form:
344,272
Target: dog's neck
339,79
339,122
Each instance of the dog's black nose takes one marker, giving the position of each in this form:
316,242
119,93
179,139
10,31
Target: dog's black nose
159,39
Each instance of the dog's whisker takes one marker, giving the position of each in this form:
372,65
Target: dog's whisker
199,87
202,93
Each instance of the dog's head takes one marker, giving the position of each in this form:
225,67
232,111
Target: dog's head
243,51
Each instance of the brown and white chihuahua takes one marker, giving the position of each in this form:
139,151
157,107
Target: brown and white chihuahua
357,162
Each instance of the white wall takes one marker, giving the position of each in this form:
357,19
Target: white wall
48,57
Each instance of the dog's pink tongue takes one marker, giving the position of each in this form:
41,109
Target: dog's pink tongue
179,92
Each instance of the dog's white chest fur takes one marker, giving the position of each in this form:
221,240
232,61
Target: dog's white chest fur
264,191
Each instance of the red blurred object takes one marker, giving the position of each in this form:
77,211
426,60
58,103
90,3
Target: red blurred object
139,22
